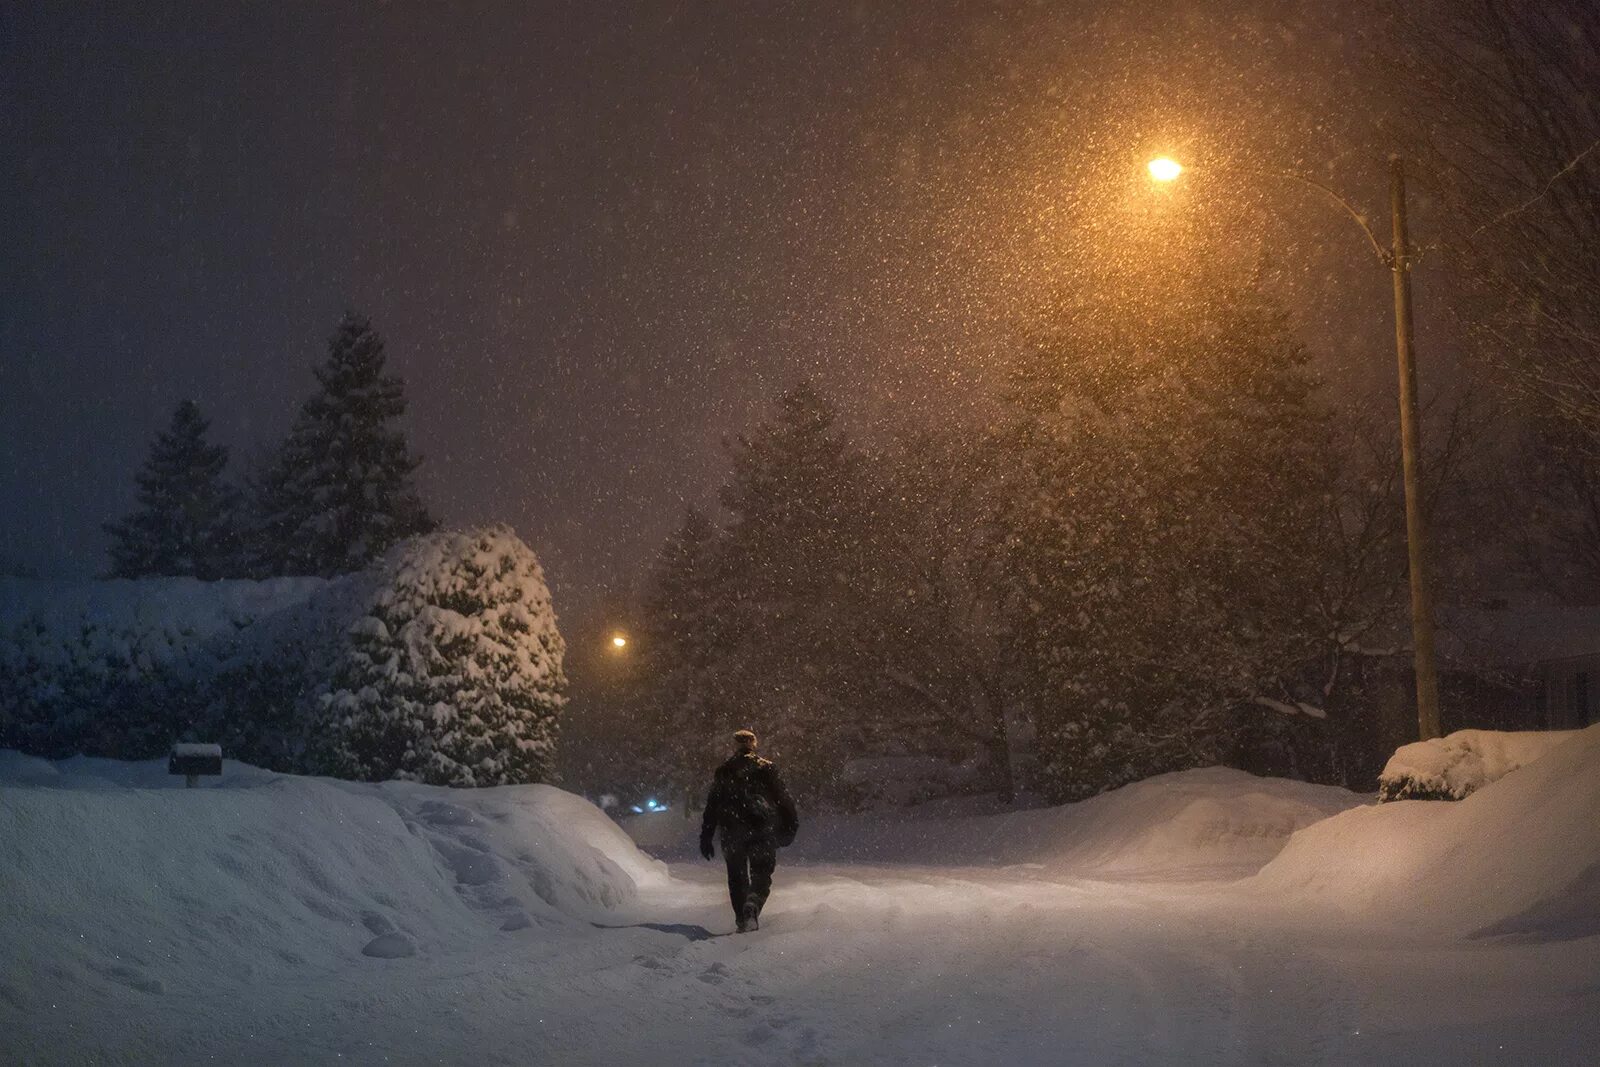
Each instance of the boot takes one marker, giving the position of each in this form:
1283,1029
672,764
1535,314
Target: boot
749,921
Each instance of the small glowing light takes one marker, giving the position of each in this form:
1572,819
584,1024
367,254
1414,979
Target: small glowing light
619,641
1163,169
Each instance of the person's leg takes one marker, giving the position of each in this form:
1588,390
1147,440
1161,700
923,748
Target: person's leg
763,861
738,876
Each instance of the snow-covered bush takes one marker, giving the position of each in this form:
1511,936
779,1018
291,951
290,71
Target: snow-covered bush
453,674
1454,766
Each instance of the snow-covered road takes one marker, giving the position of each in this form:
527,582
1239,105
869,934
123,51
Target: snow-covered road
938,966
235,934
859,965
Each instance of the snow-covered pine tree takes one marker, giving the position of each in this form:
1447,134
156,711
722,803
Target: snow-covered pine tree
340,491
185,524
795,551
683,714
454,673
1163,530
933,574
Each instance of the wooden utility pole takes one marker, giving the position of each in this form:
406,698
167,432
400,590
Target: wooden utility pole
1428,724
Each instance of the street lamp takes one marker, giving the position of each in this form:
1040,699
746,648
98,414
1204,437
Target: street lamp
1163,169
1398,261
619,642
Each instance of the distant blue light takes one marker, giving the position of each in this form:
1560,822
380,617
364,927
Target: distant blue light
637,810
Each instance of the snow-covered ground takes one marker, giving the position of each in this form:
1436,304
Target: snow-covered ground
274,919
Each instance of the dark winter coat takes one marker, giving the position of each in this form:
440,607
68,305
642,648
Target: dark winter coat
748,802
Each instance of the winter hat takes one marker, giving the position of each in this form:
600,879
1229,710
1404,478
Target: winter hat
745,739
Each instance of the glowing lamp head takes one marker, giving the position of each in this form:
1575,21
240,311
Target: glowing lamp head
1163,169
619,642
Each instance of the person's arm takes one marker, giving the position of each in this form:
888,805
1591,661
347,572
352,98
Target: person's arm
788,817
708,821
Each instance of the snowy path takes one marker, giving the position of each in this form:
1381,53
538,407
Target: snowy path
168,926
858,965
920,966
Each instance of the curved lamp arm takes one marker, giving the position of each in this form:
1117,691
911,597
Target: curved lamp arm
1384,255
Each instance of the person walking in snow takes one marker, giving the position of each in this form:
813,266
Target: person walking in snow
749,804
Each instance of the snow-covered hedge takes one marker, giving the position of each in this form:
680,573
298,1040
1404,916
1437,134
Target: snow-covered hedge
1451,767
104,667
441,662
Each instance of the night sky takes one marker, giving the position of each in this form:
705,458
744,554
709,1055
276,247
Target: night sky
598,237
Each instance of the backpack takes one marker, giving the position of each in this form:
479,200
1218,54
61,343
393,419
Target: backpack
748,798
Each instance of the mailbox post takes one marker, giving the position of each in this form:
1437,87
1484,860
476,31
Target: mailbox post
191,760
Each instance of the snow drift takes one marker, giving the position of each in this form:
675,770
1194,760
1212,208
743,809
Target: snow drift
114,874
1520,856
1451,767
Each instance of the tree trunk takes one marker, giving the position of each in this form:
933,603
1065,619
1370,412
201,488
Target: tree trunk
999,743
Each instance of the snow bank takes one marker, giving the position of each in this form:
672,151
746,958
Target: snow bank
1519,856
1211,822
1449,768
116,874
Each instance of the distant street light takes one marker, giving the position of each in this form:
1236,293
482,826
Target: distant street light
1163,169
619,642
1398,260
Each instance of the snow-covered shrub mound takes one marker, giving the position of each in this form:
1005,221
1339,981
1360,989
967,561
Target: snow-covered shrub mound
1449,768
1212,821
114,874
452,675
99,665
1519,856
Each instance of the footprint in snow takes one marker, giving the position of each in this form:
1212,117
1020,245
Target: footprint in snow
135,979
376,923
390,946
713,975
759,1034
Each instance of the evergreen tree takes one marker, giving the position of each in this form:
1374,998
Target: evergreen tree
683,715
796,613
946,676
1161,533
185,522
339,490
454,675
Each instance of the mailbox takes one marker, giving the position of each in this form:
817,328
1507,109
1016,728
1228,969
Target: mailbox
192,760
